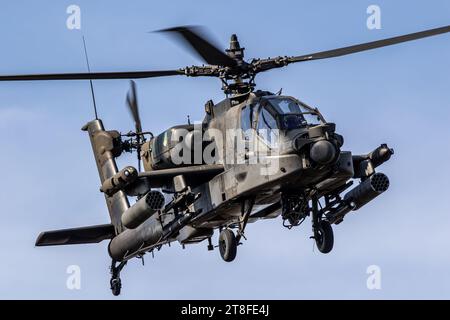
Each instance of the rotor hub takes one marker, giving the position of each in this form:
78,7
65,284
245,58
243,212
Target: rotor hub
235,51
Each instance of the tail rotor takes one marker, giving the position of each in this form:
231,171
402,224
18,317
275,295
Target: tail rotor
133,107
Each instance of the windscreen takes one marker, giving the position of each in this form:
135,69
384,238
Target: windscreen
292,114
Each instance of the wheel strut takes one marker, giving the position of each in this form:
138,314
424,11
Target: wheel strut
322,230
246,210
115,282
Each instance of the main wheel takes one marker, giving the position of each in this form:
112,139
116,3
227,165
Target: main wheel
324,237
227,245
116,285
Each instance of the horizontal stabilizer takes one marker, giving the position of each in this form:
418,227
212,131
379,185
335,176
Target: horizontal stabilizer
91,234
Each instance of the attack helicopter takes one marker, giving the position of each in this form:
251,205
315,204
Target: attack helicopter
308,173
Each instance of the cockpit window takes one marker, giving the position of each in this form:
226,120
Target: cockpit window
294,115
285,106
246,118
262,120
266,121
268,127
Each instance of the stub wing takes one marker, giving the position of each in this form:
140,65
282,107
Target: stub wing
159,178
83,235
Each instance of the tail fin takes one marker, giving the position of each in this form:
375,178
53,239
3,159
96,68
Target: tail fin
104,146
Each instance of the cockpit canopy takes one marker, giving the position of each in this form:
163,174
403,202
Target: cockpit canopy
279,113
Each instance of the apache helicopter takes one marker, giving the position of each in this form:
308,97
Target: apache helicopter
311,179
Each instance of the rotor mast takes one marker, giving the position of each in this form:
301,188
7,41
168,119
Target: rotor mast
236,52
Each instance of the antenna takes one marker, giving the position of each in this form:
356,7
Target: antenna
90,80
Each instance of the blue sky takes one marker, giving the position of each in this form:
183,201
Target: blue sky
398,95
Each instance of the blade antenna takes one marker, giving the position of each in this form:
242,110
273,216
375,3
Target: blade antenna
90,80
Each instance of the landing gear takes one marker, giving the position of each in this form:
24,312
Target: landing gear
116,286
323,233
324,237
115,282
228,242
210,245
246,210
227,245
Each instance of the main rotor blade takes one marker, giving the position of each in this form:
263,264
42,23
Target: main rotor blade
200,44
133,106
369,45
93,75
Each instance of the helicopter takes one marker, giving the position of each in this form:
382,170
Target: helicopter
256,155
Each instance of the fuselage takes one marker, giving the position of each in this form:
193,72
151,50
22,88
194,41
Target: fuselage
264,143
